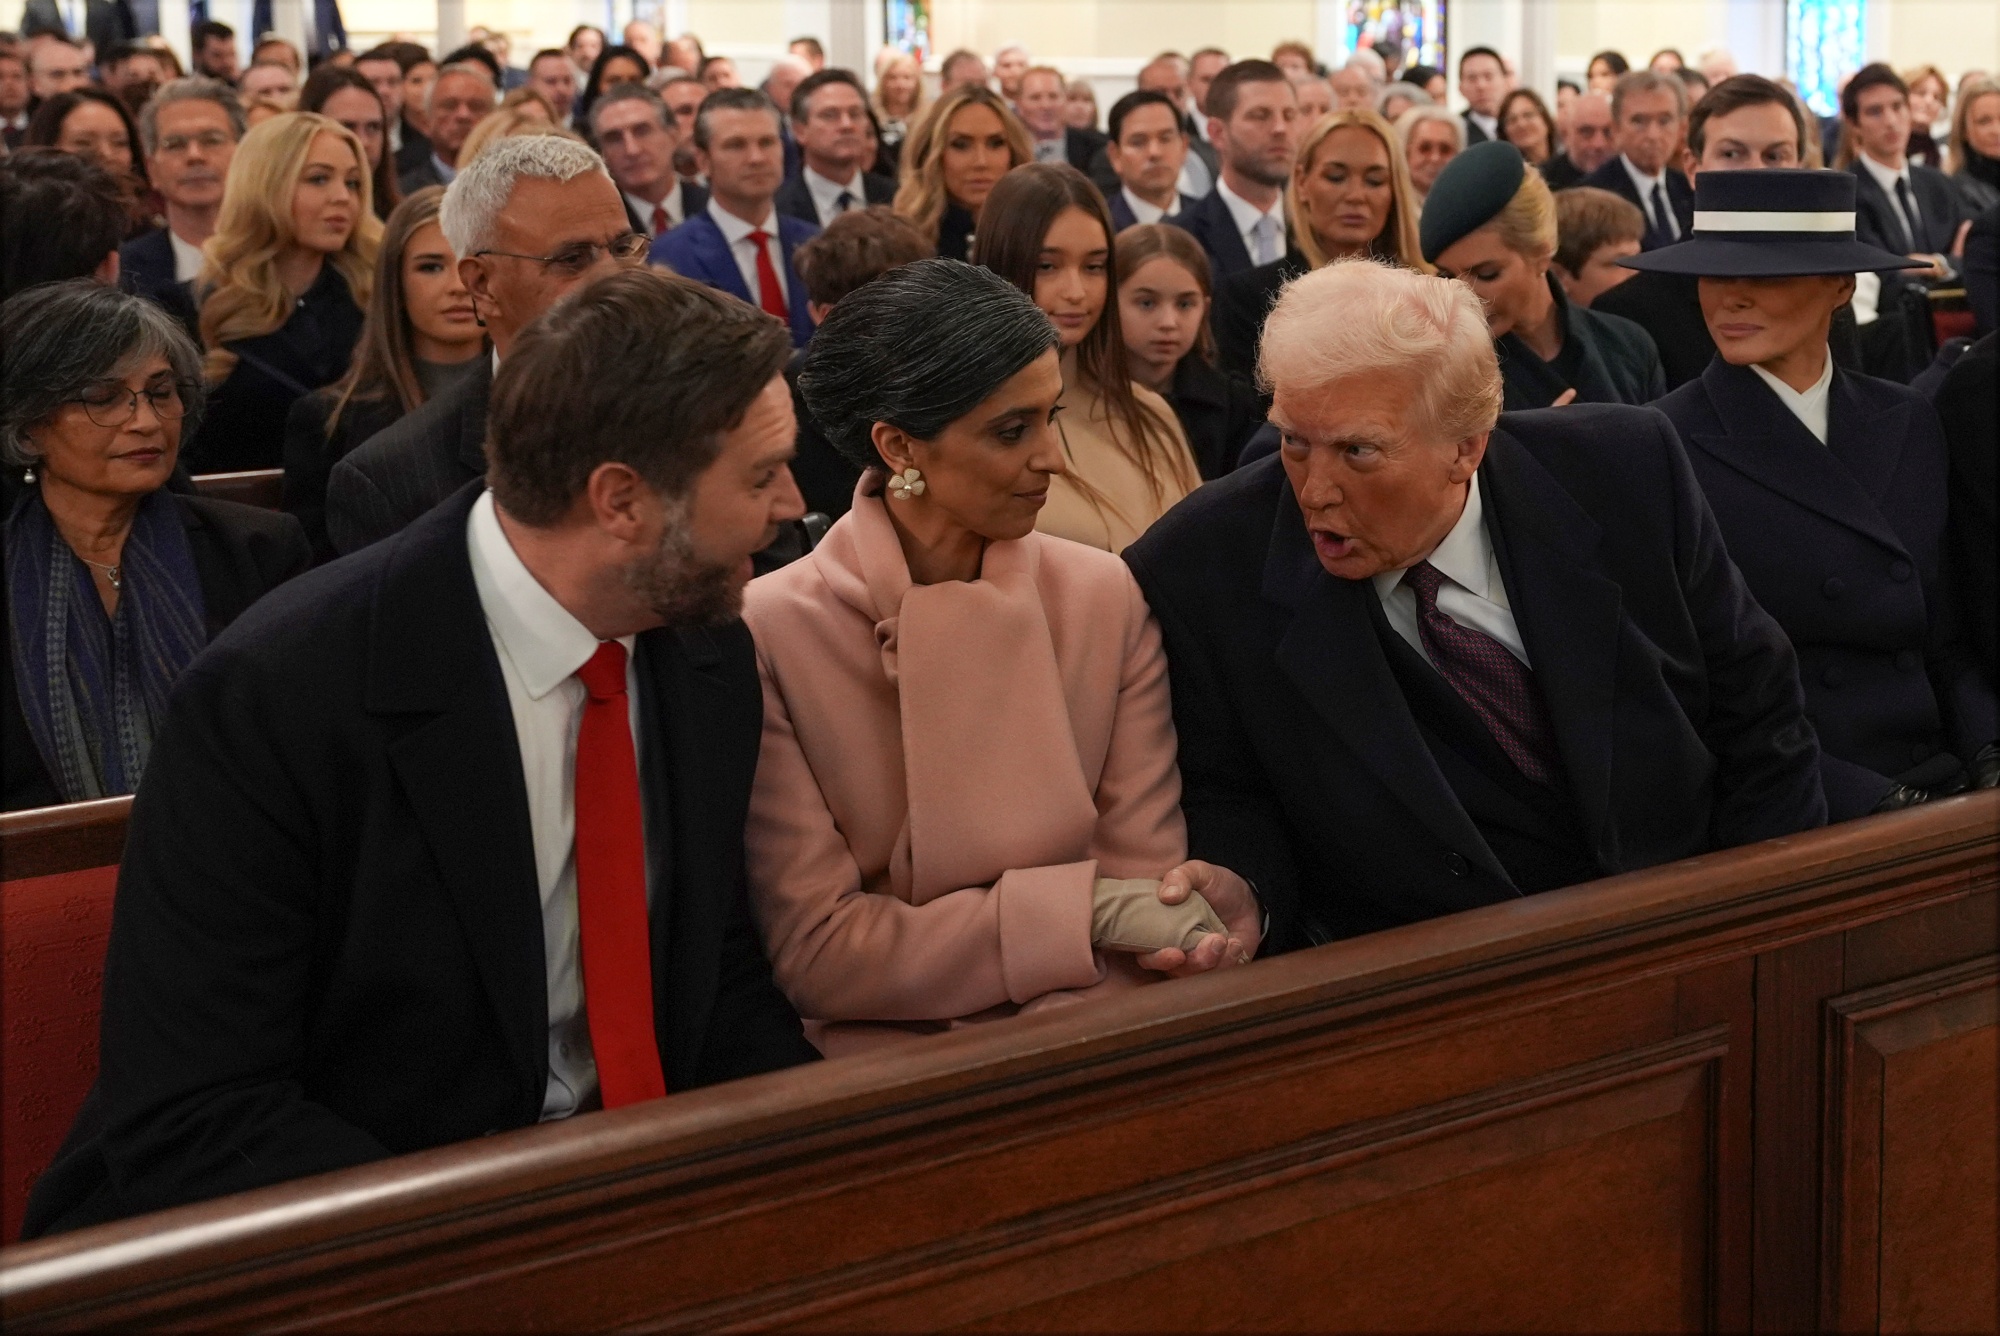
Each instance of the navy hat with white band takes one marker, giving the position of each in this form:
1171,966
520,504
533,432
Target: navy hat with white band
1775,223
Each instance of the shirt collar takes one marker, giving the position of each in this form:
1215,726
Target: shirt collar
538,635
1809,405
446,172
1885,177
1641,180
734,230
826,192
187,257
1461,556
1245,214
1143,211
671,202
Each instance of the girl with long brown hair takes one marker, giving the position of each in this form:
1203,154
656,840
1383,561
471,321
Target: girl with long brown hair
952,159
421,338
283,284
1046,230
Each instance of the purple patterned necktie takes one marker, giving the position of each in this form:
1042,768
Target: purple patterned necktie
1498,686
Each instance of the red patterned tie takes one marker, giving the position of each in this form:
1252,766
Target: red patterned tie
611,888
660,220
1498,686
769,295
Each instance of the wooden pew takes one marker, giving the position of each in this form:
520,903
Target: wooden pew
1752,1090
252,487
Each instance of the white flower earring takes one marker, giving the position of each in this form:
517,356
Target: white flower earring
906,484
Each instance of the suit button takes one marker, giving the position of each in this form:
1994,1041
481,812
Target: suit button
1900,571
1907,660
1832,675
1834,586
1456,865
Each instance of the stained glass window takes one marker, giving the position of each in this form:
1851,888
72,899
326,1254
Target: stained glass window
1404,32
906,25
1823,45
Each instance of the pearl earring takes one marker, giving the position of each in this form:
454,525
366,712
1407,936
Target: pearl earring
906,484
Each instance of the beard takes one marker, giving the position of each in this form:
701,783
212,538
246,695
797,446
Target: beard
679,586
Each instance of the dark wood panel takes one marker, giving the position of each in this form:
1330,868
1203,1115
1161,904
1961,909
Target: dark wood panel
42,841
264,488
1912,1236
1541,1083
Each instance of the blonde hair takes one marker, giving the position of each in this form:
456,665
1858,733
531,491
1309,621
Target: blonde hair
1398,240
1527,224
1357,319
240,292
923,95
921,196
1961,116
518,118
1916,74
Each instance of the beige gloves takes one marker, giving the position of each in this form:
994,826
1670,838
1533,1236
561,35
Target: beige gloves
1126,915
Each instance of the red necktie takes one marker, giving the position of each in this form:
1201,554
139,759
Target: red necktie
611,888
660,222
769,295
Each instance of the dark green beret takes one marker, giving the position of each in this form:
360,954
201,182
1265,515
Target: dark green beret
1473,187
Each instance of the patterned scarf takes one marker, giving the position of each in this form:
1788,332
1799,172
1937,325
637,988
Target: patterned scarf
94,688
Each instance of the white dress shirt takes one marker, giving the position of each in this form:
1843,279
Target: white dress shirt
1809,405
826,194
1144,212
1490,124
1646,185
1052,150
187,257
1245,215
642,208
1887,178
744,251
540,647
1473,594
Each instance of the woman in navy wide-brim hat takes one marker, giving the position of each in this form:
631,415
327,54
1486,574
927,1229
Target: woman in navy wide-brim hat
1831,490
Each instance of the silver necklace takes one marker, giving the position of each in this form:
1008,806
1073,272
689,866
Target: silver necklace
115,574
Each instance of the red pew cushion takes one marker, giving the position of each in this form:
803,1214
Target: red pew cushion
52,936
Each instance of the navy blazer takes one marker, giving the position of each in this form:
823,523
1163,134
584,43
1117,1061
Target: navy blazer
327,941
1879,222
694,198
1843,543
1121,212
697,249
1211,223
1611,175
794,198
146,269
1675,698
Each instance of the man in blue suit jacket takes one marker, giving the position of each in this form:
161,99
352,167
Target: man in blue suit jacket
1149,145
1253,120
736,138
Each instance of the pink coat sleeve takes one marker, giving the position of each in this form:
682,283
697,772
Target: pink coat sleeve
840,952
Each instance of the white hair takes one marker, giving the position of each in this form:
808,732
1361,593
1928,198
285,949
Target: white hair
1412,117
476,68
474,201
1371,64
1361,319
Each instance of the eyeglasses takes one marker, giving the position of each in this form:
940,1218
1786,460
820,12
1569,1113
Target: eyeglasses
582,257
209,141
116,405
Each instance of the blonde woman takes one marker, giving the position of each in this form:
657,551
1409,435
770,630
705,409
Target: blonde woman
283,283
1499,236
1929,92
1350,195
1975,144
952,159
898,101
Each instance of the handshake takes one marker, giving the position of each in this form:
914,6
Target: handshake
1197,917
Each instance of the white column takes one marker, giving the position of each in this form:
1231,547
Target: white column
1536,53
1330,33
1755,34
847,45
1494,23
288,20
451,25
174,24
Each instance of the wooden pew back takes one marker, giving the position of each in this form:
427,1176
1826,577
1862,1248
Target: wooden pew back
1755,1088
252,487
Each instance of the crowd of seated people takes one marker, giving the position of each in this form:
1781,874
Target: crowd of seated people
770,572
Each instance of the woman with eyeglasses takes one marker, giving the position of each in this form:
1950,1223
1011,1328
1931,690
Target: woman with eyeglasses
113,583
283,285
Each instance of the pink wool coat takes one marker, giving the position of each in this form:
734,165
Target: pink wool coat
946,770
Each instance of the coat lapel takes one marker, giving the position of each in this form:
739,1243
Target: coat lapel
1870,446
1763,441
460,767
1570,616
1330,652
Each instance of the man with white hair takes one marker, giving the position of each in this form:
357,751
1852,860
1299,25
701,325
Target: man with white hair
533,217
1430,657
1010,62
459,99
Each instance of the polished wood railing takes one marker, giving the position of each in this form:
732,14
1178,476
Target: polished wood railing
42,841
1751,1090
252,487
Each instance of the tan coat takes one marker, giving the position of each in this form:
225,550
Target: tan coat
946,770
1093,455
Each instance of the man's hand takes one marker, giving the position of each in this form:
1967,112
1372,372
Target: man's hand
1934,266
1566,397
1233,902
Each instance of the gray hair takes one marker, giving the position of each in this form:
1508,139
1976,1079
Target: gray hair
474,201
1409,92
1648,81
477,67
664,75
193,88
631,92
1407,123
62,338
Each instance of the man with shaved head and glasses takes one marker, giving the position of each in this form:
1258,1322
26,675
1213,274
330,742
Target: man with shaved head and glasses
531,218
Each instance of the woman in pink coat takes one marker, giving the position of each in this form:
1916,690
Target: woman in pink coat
967,803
